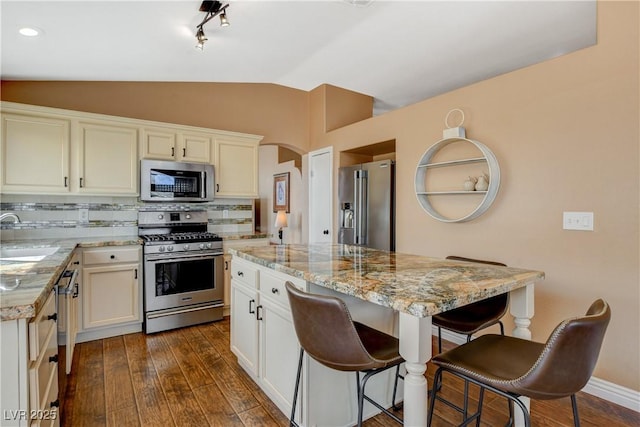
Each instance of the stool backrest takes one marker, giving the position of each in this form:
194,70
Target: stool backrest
326,331
569,356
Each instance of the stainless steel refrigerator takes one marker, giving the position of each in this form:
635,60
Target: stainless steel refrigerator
366,196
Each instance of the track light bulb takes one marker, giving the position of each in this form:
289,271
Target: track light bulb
201,38
224,22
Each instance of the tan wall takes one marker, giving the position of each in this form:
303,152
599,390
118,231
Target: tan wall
276,112
566,135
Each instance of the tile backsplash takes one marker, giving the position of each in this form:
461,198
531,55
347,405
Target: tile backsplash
69,216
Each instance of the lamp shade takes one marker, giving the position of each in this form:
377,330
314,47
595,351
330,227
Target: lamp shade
281,219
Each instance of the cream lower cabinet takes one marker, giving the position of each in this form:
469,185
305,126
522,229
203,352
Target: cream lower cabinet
111,292
226,244
236,166
262,333
29,368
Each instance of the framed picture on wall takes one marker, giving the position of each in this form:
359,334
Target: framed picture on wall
281,192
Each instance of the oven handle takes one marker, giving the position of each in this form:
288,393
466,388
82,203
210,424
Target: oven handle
184,310
178,257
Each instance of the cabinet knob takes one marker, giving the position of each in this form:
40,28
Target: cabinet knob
240,273
53,317
275,291
112,257
55,403
53,359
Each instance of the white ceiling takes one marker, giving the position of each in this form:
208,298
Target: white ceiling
399,52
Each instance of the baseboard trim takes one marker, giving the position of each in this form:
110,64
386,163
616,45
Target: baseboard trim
606,390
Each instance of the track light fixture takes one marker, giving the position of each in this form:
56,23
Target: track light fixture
213,9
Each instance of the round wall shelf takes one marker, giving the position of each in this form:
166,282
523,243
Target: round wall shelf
427,164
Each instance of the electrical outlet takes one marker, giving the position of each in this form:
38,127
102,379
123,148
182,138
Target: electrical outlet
225,213
83,215
582,221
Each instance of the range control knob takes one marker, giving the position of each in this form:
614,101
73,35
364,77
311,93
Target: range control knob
186,247
188,216
209,245
201,245
170,248
161,249
160,216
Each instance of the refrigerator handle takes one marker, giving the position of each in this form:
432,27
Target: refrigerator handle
364,203
356,206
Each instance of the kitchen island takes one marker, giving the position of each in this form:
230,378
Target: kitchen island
415,287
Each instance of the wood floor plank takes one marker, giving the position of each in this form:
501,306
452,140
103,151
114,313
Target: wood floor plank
187,358
218,411
153,409
182,402
257,417
125,417
231,386
117,378
89,397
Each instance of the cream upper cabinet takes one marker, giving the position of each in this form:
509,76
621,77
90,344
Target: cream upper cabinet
236,166
107,159
170,144
35,154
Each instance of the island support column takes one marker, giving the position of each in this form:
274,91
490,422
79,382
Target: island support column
522,308
415,348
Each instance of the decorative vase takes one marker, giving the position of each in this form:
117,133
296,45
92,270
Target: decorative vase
470,183
483,183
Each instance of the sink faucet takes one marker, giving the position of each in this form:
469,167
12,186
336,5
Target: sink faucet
11,215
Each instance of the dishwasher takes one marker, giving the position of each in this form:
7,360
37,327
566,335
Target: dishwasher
67,292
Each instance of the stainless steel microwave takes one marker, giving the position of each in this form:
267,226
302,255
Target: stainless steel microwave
165,181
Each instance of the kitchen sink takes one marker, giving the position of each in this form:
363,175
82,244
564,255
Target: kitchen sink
27,254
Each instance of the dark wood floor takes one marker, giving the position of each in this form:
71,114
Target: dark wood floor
189,377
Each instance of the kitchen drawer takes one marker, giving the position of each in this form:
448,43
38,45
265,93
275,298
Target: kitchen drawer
42,326
43,373
244,272
47,415
272,286
111,255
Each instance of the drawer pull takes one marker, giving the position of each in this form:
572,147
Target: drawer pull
53,317
240,273
226,265
55,403
275,291
251,309
259,312
53,359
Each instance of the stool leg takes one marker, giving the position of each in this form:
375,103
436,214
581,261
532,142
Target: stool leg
574,406
295,392
439,340
437,379
395,389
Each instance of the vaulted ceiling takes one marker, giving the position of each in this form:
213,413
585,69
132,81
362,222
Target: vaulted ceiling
399,52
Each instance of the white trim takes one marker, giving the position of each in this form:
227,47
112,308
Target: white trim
606,390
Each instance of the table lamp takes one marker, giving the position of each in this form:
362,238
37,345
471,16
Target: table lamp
281,221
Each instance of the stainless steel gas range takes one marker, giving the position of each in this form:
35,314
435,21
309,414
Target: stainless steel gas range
183,270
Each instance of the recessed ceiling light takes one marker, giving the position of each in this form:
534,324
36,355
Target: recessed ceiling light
29,31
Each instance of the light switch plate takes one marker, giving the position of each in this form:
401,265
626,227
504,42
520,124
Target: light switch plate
83,215
582,221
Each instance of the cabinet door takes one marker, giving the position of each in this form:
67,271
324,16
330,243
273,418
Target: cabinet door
158,144
108,159
195,148
35,154
279,352
110,295
244,327
236,167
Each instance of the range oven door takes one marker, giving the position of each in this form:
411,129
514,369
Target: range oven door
178,280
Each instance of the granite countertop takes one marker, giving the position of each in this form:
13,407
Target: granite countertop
417,285
242,236
37,278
